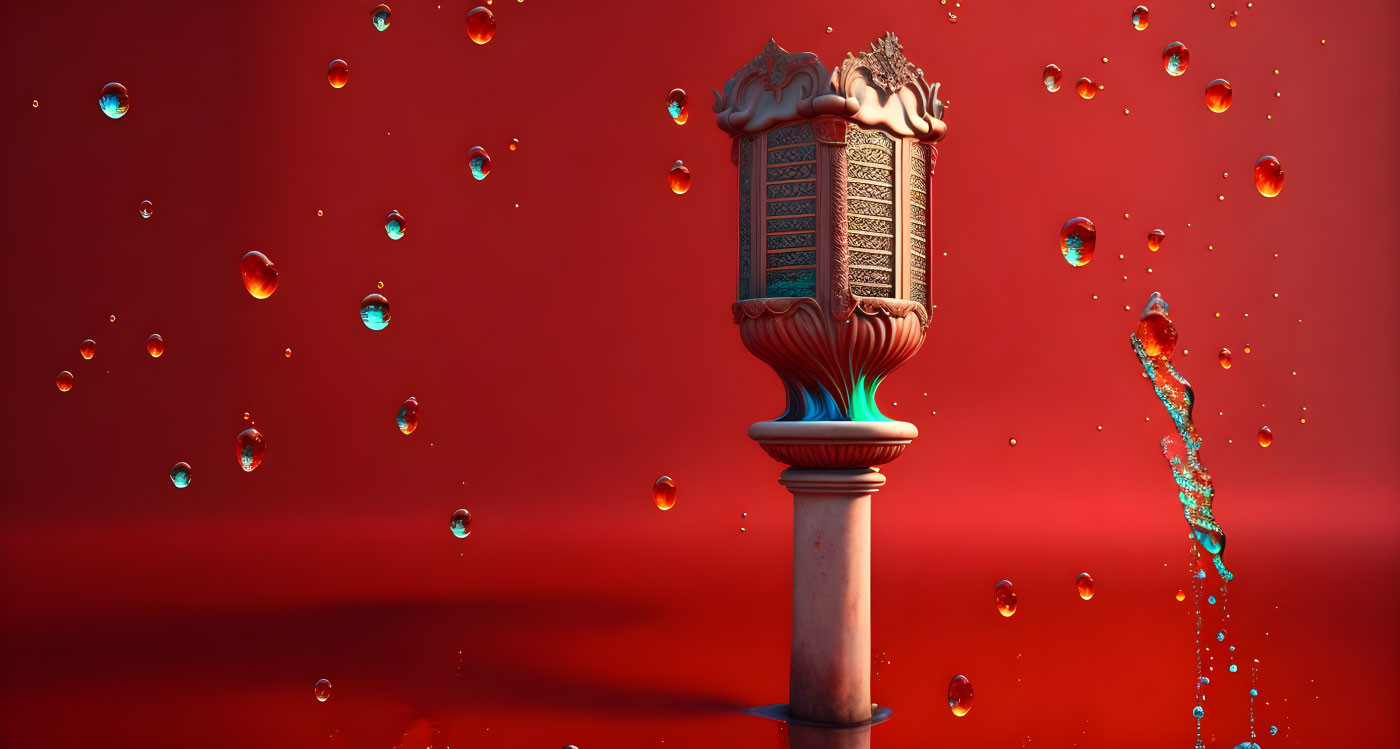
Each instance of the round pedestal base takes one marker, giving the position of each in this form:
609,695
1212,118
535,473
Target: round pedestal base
833,444
878,714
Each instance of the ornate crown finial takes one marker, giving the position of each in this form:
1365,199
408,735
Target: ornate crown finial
886,63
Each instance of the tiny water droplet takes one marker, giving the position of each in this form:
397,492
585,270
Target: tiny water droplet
180,475
679,178
1085,585
395,225
1266,437
114,100
408,416
1180,595
374,312
1273,730
1077,241
338,73
323,690
1155,238
960,695
663,493
249,448
259,275
1210,599
1234,18
287,352
480,162
87,348
65,381
155,345
1052,77
1006,598
1140,17
952,18
676,103
514,143
461,524
1175,58
481,24
146,209
1220,636
1218,96
1198,711
1268,176
1086,88
379,17
1227,360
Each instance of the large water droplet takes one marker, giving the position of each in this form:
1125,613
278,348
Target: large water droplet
960,695
676,105
155,345
259,275
1086,88
1052,76
114,100
65,381
1140,17
180,475
1268,176
323,690
87,348
338,73
1077,241
1155,238
1155,331
1175,58
379,17
408,416
1266,436
1218,95
461,524
1227,359
679,178
1006,598
395,225
249,448
374,312
481,24
479,161
146,209
1085,585
1198,711
663,493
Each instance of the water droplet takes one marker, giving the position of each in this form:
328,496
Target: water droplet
1200,574
36,103
1155,239
180,475
1234,18
374,312
408,416
1175,58
1210,600
952,18
1085,585
87,348
65,380
1198,711
338,73
828,29
1273,730
676,104
461,524
1180,595
514,143
1226,359
479,161
679,178
155,345
114,100
287,352
259,275
1253,692
1011,442
1218,96
663,493
1266,437
1220,636
146,209
1077,241
1155,332
1268,176
1052,77
960,695
249,448
395,225
323,690
1204,680
481,24
1233,667
1006,598
1140,17
379,17
1086,88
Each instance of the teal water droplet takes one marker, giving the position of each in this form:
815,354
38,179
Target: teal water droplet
180,475
114,100
374,312
1234,668
394,225
1254,693
250,448
1210,599
480,162
1200,574
1273,730
1220,636
408,416
461,524
379,17
1198,711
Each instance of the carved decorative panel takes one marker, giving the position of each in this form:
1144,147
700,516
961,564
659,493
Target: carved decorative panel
745,215
870,214
790,256
918,225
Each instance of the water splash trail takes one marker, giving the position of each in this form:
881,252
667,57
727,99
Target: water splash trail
1153,342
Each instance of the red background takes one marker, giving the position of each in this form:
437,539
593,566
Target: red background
569,351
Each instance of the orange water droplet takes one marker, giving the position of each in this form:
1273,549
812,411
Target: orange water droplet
1266,437
1086,88
155,345
1268,176
247,416
1011,442
1218,95
514,143
1006,598
960,695
287,353
1052,76
1140,17
663,493
1077,241
1085,585
380,285
952,18
1155,238
259,275
1175,58
338,73
1234,16
679,178
828,29
481,24
1155,331
249,448
677,105
65,381
87,348
408,416
1226,359
1180,594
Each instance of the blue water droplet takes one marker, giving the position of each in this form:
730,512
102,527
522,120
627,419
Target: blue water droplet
1220,636
1210,599
1204,680
180,475
1254,693
1200,574
1198,711
1234,668
379,17
394,225
374,312
1273,730
114,100
461,523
